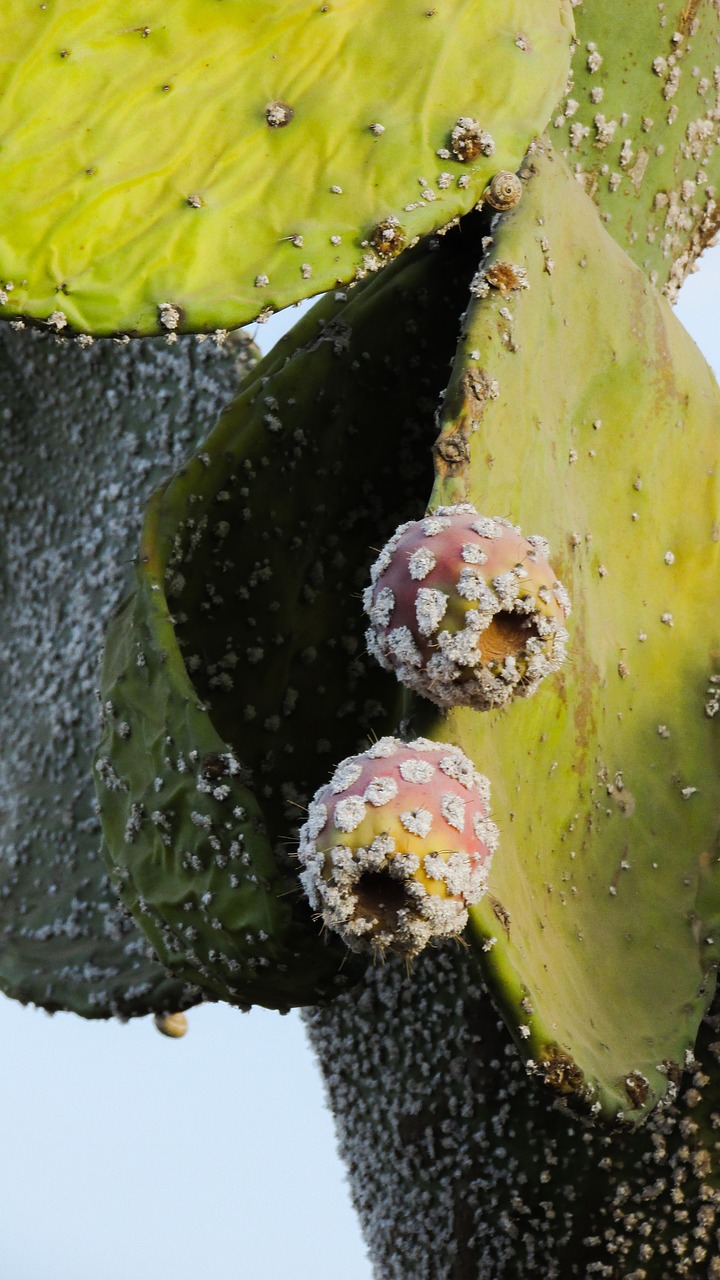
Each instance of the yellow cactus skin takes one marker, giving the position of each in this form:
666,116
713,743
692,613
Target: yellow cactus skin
598,933
192,165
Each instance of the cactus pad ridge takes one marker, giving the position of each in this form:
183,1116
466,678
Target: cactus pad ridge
598,932
247,626
208,163
639,125
397,845
465,610
86,434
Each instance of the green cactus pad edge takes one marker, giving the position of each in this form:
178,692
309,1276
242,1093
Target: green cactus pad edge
191,166
599,932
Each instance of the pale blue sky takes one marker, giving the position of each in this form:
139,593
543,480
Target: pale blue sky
130,1157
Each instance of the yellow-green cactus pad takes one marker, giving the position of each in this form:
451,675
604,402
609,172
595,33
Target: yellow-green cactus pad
85,435
239,665
640,127
191,165
599,931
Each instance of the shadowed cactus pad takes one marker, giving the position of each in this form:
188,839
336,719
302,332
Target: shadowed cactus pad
186,837
466,610
239,661
459,1168
191,165
85,434
397,845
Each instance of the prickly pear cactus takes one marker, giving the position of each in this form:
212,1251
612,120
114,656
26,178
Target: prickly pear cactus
579,407
237,672
190,848
191,166
85,434
639,126
135,145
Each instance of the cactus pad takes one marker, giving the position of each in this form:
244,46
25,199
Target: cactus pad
191,855
639,126
599,930
85,435
458,1167
240,661
192,165
397,845
465,610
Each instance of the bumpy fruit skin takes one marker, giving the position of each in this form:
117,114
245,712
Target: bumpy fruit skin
398,844
466,610
205,603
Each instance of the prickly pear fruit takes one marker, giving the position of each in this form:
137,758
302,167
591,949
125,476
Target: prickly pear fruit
398,844
202,163
466,610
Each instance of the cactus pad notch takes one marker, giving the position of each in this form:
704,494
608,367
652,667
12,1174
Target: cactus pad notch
599,930
193,165
248,625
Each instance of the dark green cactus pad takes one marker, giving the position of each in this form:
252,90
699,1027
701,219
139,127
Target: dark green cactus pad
639,126
192,165
599,933
236,677
86,434
459,1168
192,857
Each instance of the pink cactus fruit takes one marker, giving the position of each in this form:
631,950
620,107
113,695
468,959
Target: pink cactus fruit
397,845
465,610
